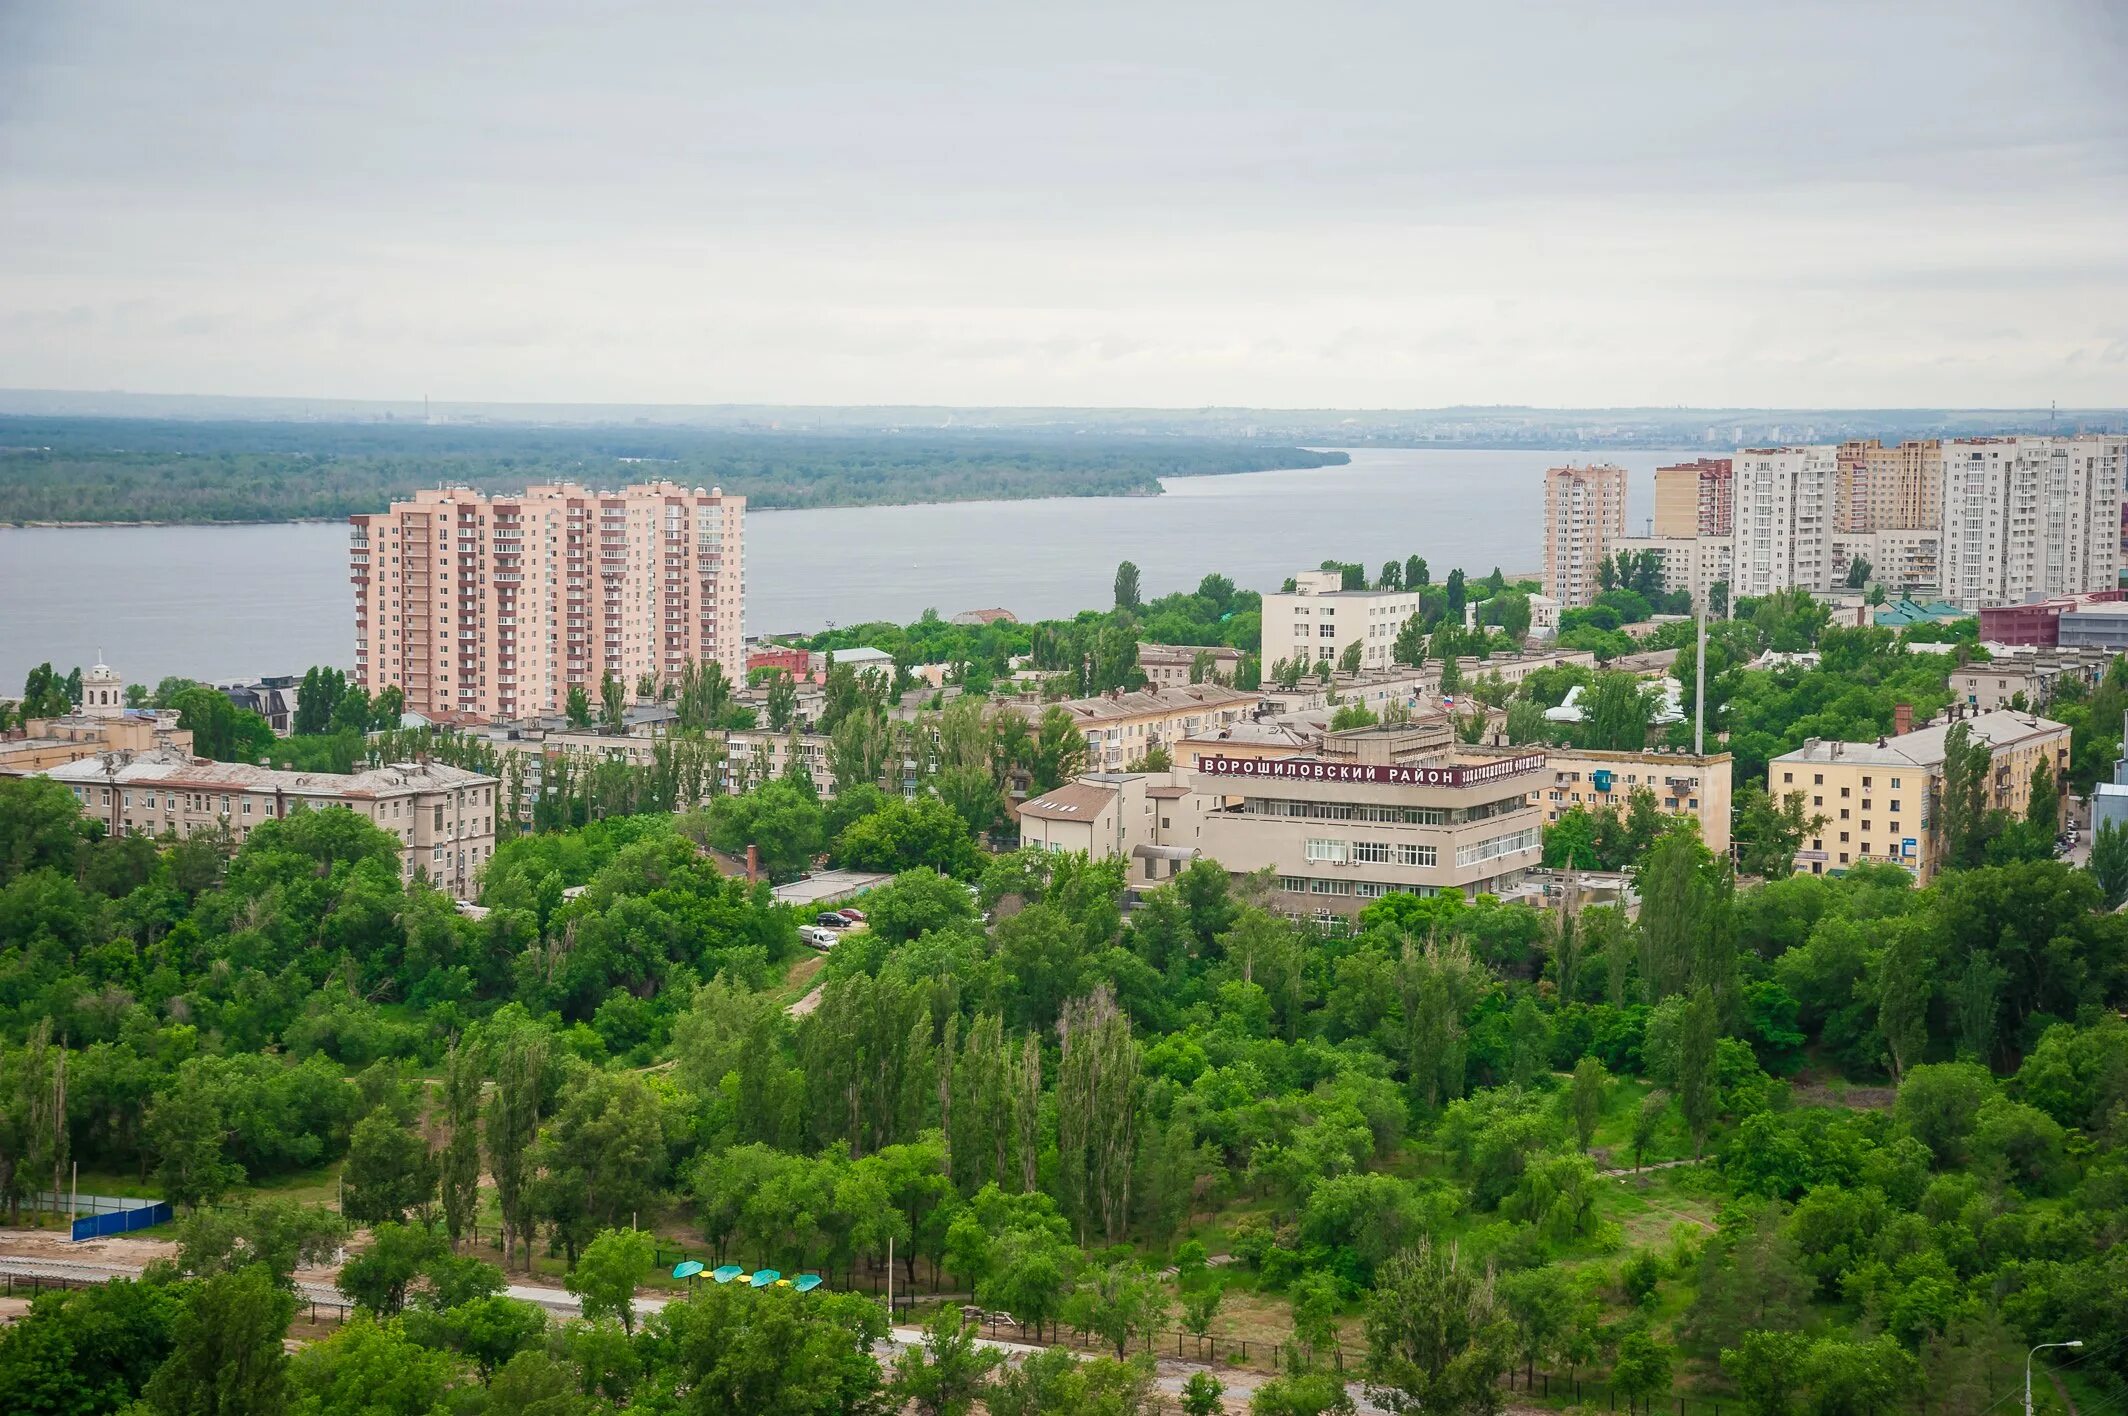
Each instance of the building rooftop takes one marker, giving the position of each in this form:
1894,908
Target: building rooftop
1151,702
1924,747
162,767
1074,801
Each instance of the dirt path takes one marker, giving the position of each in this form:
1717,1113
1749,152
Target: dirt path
1629,1170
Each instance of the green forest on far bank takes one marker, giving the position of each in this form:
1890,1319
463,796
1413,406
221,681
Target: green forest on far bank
123,470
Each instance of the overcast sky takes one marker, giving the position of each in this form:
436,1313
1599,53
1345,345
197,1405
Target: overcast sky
1307,204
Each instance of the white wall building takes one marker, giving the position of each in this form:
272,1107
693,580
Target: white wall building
1317,620
2030,518
1782,525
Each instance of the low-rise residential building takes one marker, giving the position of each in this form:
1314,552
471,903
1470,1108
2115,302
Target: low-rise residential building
1317,620
273,698
1374,810
1122,727
1154,818
1176,665
443,816
1682,784
49,742
977,619
2030,678
1879,801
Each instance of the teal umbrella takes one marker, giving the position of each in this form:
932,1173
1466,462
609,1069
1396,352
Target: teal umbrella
687,1269
763,1278
728,1273
806,1283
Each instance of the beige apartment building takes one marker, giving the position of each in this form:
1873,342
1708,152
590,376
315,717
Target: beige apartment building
1317,620
2027,519
1693,499
443,816
500,604
1373,811
1584,513
1123,726
1879,488
1684,785
1171,665
102,723
1155,818
1984,687
1879,800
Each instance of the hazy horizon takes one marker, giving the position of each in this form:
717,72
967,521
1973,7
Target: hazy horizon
1820,207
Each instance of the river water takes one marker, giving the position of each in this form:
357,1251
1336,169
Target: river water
222,602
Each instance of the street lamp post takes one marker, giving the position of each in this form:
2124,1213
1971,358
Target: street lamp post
2072,1342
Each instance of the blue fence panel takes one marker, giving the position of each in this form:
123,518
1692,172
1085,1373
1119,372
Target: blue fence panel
96,1226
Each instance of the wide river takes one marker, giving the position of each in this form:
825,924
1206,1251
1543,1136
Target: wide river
223,602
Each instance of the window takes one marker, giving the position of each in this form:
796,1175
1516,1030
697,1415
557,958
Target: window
1373,852
1843,792
1370,890
1408,854
1788,776
1843,841
1320,849
1292,884
1817,779
1329,887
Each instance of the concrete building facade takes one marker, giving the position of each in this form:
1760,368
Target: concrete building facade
1694,498
443,816
1373,811
2029,518
1783,520
1881,488
1171,665
1317,620
1684,785
1584,513
499,605
1879,801
1693,564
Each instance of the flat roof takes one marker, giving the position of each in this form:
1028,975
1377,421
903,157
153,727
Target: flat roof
825,887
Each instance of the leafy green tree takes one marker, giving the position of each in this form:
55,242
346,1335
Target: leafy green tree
1646,1122
368,1368
226,1357
1127,595
1585,1098
909,833
1641,1371
2109,863
511,1124
491,1331
459,1166
607,1272
1059,751
771,1350
1615,715
279,1235
613,703
1317,1297
1203,1395
1697,1092
577,707
184,1132
1436,1337
1302,1394
87,1351
946,1374
377,1280
389,1172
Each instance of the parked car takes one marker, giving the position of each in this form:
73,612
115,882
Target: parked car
833,919
854,916
819,938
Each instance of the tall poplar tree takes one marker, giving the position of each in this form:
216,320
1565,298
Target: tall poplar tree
1097,1112
461,1154
512,1126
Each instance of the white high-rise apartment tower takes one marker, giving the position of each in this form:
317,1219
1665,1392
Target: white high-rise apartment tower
498,605
2031,517
1782,521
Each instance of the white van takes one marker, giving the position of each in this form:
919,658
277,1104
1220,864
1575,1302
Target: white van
819,938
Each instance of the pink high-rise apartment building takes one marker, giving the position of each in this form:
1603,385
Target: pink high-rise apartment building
1584,512
498,604
1694,498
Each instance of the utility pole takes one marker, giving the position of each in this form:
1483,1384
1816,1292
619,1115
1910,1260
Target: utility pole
2072,1342
1699,687
890,1303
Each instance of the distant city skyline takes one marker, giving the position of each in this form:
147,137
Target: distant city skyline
1880,205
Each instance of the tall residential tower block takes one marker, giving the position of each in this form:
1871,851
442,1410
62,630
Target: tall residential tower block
1584,512
499,604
